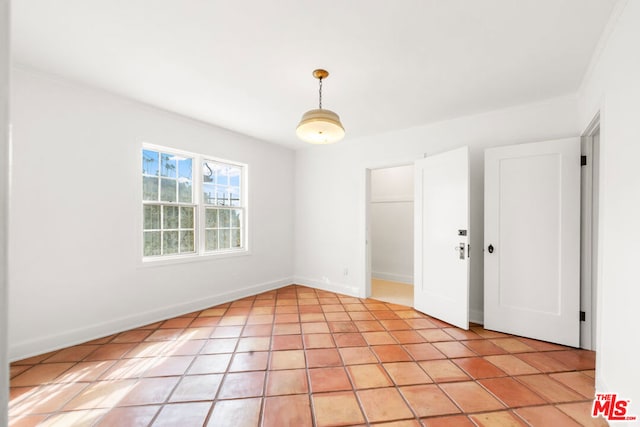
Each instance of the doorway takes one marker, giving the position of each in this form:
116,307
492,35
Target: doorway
391,233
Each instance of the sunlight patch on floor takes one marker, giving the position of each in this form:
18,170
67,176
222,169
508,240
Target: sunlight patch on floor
394,292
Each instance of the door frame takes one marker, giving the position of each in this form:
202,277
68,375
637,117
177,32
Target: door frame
589,231
367,221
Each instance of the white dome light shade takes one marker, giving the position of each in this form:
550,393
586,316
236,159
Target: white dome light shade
320,126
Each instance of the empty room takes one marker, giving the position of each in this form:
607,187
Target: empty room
340,213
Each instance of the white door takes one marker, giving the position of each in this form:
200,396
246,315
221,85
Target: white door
532,240
441,244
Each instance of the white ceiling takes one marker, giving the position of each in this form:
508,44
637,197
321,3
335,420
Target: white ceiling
246,64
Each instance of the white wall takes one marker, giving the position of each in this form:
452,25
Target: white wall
4,204
391,216
613,88
75,251
330,187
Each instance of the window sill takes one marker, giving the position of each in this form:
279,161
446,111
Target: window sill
183,259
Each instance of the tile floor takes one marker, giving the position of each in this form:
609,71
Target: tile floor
303,357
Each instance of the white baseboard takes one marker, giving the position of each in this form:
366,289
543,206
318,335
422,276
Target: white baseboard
393,277
76,336
339,288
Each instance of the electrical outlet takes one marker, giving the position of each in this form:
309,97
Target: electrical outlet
346,272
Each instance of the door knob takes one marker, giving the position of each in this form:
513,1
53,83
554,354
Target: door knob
490,249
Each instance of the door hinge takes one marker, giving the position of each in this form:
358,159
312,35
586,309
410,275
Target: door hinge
583,316
583,160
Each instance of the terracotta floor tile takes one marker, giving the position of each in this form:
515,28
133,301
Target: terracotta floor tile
257,330
511,364
40,374
471,397
575,359
325,357
391,353
197,333
461,334
263,360
443,371
497,419
337,409
368,376
318,341
310,317
407,337
85,418
196,387
287,329
385,315
581,413
369,326
254,344
545,416
281,411
286,318
315,328
110,351
85,371
178,322
543,362
511,392
478,367
428,400
102,394
210,364
578,382
149,391
484,347
252,361
383,404
357,355
131,416
342,327
227,332
169,366
421,323
72,354
15,370
241,385
243,412
512,345
406,373
424,351
192,414
449,421
349,340
44,399
549,389
287,342
165,335
395,325
292,381
360,315
337,317
329,379
378,338
355,307
453,349
219,345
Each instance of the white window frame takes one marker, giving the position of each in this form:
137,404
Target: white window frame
199,209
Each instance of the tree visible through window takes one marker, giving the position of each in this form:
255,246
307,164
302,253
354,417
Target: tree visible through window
171,224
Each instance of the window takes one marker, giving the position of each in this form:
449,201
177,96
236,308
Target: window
187,216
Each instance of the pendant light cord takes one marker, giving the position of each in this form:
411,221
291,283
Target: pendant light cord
320,92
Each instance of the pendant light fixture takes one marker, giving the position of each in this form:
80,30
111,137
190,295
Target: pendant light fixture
320,126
